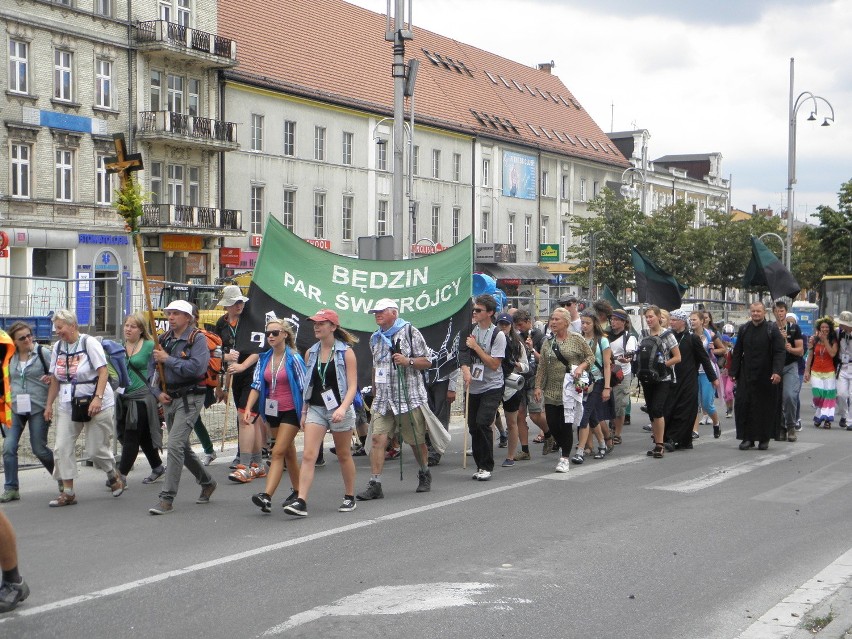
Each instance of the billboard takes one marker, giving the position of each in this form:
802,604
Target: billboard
520,175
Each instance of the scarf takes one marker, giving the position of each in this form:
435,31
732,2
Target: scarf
386,335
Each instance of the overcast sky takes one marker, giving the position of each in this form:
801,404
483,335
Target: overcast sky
700,76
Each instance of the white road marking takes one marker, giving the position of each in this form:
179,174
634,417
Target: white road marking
724,473
221,561
390,600
781,620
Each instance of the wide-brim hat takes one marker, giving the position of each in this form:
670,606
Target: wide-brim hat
231,295
845,319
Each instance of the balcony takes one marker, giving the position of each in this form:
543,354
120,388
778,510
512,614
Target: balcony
188,130
191,220
184,43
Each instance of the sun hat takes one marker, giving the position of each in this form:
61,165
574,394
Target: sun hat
383,304
845,318
231,295
180,305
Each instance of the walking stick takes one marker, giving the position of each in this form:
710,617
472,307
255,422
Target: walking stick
227,389
464,443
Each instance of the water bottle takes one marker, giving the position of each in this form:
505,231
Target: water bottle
660,359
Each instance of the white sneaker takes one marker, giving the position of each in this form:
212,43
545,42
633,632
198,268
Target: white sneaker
477,473
208,459
562,466
484,475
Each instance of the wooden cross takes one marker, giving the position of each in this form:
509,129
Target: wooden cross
122,163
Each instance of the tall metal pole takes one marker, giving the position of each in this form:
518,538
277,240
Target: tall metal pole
791,168
399,37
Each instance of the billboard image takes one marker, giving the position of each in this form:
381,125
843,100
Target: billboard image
520,174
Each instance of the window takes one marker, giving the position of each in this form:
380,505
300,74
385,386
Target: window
20,170
382,218
544,182
596,186
256,210
166,10
544,223
256,132
415,160
319,143
527,228
194,99
511,229
436,223
64,175
63,75
486,172
184,15
564,240
436,164
382,155
289,138
19,55
347,149
156,88
486,216
175,175
566,187
319,215
456,167
413,211
346,216
288,207
103,7
194,187
175,95
156,182
456,225
103,83
582,189
103,182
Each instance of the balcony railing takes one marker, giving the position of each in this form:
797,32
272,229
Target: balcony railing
191,126
178,216
183,37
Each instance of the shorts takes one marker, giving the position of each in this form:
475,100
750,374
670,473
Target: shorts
284,417
656,394
529,397
512,404
321,416
621,396
240,389
388,424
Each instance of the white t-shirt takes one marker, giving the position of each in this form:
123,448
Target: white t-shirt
71,363
619,348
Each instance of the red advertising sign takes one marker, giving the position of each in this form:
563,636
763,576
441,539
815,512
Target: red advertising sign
325,245
4,241
4,252
425,249
254,241
229,256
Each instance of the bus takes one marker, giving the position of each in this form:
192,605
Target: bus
835,295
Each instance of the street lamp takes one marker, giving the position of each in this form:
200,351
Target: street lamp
628,189
795,105
780,239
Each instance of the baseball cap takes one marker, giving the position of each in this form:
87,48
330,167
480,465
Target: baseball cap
791,316
326,315
567,299
622,315
180,305
505,318
845,318
383,304
728,329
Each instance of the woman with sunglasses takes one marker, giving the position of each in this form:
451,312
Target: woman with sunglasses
330,387
277,389
29,375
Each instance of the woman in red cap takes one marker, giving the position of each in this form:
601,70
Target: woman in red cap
330,386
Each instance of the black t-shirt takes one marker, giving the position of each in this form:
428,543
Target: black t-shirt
794,333
228,334
322,382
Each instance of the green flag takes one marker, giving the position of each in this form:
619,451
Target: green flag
654,285
766,271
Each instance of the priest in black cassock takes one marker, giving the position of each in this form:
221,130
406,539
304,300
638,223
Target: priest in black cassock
756,366
682,401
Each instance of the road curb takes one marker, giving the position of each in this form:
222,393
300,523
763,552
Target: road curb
839,605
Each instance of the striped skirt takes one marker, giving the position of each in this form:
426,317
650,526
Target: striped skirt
824,388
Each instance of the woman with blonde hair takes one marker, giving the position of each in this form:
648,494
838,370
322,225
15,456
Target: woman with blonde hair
330,388
138,422
277,389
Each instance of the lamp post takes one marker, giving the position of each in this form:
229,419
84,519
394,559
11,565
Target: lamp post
849,233
593,247
795,105
780,239
628,190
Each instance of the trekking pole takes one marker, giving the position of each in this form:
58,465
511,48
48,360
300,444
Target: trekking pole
227,411
464,443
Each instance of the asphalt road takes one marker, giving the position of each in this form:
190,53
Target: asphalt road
699,544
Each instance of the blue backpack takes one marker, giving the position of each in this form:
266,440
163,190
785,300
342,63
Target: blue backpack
116,357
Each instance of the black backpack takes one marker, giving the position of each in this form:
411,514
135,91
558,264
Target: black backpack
650,358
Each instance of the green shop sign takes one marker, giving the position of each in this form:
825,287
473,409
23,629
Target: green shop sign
548,252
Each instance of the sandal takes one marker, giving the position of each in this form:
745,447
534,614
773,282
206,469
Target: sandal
658,451
156,473
64,499
610,446
588,451
539,439
616,439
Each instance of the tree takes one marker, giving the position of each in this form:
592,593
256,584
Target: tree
615,229
808,265
669,239
835,233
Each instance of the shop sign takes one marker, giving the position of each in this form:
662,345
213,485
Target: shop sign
181,243
325,245
548,252
229,256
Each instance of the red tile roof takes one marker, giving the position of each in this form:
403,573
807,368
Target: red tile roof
335,51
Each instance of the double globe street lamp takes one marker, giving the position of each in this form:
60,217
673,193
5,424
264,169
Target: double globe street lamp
628,186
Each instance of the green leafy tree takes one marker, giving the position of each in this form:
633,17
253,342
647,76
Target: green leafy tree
834,234
808,265
670,240
615,228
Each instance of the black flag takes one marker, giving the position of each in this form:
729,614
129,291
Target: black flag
654,285
766,271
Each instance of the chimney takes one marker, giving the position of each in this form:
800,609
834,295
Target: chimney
547,67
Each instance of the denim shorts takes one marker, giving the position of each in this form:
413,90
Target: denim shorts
322,416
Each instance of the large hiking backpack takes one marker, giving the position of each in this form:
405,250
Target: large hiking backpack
214,367
116,357
651,360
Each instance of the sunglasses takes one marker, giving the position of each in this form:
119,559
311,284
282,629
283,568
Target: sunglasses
479,310
24,338
273,333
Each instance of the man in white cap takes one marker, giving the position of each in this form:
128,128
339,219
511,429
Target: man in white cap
399,354
183,356
844,378
240,367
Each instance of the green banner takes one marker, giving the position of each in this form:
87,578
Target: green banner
548,252
305,278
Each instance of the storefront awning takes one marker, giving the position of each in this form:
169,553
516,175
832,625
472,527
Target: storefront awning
517,272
